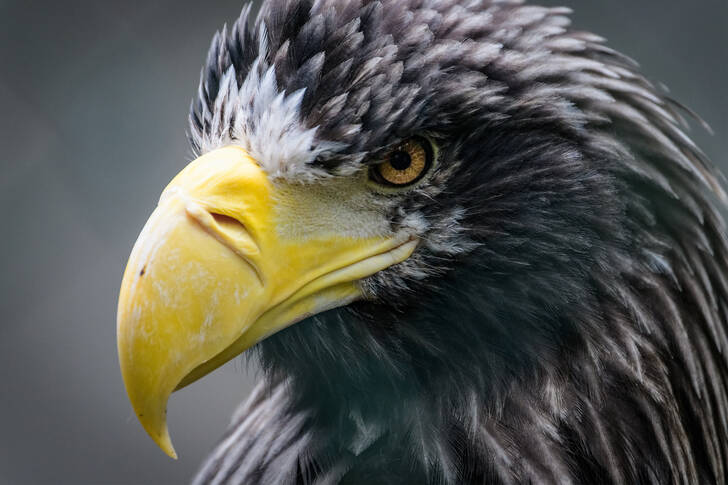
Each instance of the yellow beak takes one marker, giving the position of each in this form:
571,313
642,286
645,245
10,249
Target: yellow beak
212,274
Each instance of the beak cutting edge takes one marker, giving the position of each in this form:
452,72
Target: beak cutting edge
211,275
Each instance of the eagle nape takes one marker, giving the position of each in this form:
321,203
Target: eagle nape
466,242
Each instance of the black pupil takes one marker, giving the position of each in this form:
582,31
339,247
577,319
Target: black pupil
400,160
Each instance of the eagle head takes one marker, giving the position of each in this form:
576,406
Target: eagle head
408,207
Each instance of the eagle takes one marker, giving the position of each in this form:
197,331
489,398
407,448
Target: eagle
466,242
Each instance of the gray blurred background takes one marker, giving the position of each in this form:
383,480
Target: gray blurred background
94,98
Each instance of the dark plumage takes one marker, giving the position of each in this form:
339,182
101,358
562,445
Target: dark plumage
563,320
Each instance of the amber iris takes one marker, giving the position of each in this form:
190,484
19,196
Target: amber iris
405,164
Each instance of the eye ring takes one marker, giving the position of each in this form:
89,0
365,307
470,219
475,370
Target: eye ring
405,164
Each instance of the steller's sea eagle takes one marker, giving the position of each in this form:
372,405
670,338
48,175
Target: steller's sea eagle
505,257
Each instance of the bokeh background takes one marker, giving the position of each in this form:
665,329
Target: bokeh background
93,104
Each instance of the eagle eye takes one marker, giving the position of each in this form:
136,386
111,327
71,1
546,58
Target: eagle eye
405,164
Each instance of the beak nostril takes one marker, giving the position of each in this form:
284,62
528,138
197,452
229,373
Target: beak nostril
233,233
230,227
227,222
